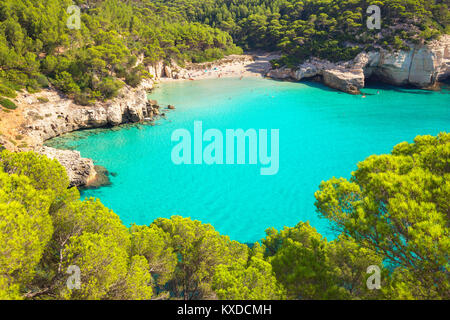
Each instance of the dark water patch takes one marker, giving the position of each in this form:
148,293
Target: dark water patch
69,140
102,179
375,83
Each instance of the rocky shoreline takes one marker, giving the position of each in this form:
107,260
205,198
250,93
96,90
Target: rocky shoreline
48,114
422,66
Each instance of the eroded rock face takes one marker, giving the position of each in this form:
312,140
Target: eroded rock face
348,81
421,66
79,170
61,115
282,73
156,70
306,71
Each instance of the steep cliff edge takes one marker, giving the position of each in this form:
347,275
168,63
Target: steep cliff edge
49,114
422,66
59,114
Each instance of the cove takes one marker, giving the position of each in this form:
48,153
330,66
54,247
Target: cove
322,133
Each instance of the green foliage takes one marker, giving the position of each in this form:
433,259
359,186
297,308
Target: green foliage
25,230
310,267
36,44
399,206
200,250
36,47
321,28
254,280
153,243
393,213
8,104
44,174
66,84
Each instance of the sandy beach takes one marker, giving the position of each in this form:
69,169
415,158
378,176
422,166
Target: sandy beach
234,66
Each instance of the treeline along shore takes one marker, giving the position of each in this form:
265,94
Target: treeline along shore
63,70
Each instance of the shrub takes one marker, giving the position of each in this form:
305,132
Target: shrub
8,104
109,87
43,99
7,91
65,83
42,81
133,79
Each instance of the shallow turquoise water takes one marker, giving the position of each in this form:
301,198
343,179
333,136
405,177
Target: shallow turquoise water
323,133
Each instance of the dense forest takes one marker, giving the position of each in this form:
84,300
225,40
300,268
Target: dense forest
329,29
393,213
117,39
37,47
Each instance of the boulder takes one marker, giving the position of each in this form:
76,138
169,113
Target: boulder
115,114
282,73
306,71
347,81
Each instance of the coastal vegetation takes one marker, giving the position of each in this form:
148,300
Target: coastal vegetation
330,29
8,104
117,40
393,213
93,62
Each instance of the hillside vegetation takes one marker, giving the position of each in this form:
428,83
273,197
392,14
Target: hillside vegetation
117,39
329,29
37,47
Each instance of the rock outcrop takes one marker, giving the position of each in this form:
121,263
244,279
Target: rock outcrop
61,115
156,70
58,115
422,66
81,171
351,81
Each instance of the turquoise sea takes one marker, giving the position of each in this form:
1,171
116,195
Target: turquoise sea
323,133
